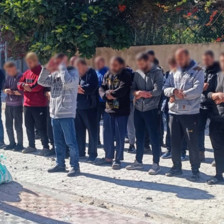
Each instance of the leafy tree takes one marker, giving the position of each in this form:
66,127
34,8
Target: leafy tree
48,26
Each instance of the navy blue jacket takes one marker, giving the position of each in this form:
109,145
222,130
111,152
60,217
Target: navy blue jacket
89,82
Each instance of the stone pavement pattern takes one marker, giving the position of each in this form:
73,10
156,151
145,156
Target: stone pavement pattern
153,199
20,205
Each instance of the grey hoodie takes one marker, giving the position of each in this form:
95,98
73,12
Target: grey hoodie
64,89
191,81
152,82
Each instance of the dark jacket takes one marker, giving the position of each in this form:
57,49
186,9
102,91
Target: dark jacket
121,85
11,83
2,80
89,82
211,79
218,110
35,98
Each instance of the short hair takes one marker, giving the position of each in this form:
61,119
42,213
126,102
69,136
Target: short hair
60,56
209,53
151,52
100,58
9,64
31,56
81,61
142,56
183,50
222,54
119,59
172,61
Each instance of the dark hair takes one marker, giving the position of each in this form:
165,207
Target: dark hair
222,54
172,61
81,61
142,56
209,53
151,52
120,60
60,56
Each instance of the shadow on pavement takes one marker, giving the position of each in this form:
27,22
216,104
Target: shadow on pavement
180,191
11,193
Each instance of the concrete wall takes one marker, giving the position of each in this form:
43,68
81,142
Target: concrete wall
163,52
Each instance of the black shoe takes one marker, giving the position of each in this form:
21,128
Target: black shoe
10,147
131,149
174,172
195,177
57,169
91,160
218,179
116,165
73,172
18,148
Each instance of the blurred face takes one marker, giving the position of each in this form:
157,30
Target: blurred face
82,69
115,66
11,71
182,59
151,58
172,66
73,61
143,65
221,62
207,60
99,64
31,63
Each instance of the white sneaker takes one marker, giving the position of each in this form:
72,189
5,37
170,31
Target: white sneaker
135,166
155,169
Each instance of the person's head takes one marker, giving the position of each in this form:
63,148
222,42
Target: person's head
99,62
172,63
143,62
151,55
182,57
72,61
221,61
61,58
10,68
116,64
31,60
208,58
82,66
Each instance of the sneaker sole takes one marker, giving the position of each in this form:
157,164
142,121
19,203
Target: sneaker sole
155,173
173,175
135,168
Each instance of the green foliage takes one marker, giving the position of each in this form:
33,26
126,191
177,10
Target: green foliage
178,21
67,25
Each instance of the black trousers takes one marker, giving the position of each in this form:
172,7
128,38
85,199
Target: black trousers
86,120
14,118
185,127
217,139
100,113
49,128
36,117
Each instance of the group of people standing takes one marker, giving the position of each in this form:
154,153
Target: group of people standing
65,99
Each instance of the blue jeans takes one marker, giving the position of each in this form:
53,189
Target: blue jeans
147,120
1,126
114,126
65,134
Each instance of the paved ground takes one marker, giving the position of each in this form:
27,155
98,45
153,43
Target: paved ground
102,195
